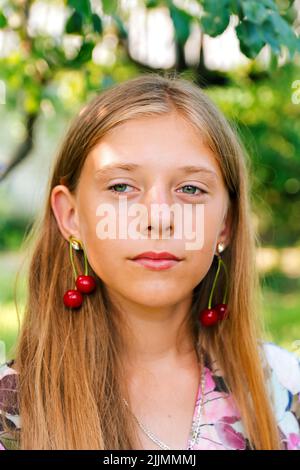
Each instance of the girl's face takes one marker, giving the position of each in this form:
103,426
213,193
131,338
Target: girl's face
154,149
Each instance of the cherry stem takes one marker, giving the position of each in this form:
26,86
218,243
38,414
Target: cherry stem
226,288
214,283
220,262
73,265
72,261
85,264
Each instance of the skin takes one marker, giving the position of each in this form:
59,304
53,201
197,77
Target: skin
153,302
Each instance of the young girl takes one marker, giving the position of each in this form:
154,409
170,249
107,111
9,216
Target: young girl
140,342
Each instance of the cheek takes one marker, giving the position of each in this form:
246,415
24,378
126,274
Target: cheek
107,259
202,231
198,263
200,259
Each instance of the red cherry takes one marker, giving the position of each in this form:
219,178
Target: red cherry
85,284
209,317
222,310
73,298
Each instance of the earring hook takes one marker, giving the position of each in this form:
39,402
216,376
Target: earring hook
77,245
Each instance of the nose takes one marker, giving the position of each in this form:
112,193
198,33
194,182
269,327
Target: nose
159,217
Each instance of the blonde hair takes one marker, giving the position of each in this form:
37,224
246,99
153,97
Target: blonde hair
70,373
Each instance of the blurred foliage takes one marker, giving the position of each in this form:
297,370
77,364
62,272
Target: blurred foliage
12,231
260,23
278,282
41,57
281,314
269,124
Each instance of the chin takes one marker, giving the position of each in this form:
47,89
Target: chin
152,297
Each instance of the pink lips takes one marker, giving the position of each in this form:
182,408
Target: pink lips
156,261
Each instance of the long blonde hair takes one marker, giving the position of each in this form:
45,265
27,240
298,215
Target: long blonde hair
70,373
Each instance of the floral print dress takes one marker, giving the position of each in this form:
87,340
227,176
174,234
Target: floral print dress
219,426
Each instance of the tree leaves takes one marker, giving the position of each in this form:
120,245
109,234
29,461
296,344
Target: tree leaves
255,12
216,16
283,31
109,6
3,20
74,23
181,20
97,23
84,54
251,39
121,28
82,17
81,6
260,23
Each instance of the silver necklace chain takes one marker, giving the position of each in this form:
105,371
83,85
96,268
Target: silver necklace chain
195,434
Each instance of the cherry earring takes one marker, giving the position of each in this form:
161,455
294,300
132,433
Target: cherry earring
85,284
210,316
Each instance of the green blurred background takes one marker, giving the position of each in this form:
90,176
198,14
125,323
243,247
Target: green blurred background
55,55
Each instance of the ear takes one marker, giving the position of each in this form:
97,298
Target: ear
64,208
225,231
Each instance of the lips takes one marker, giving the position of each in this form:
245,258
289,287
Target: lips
164,255
156,261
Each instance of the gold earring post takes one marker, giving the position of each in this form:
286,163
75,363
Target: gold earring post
77,245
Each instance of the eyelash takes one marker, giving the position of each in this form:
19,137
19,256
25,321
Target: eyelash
186,185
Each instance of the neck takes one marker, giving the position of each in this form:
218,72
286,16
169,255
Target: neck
155,335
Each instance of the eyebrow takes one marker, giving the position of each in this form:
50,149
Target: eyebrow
108,169
131,167
197,169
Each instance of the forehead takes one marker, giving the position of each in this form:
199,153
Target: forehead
155,143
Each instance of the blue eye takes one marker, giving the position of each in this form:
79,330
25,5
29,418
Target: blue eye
193,188
120,188
111,188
